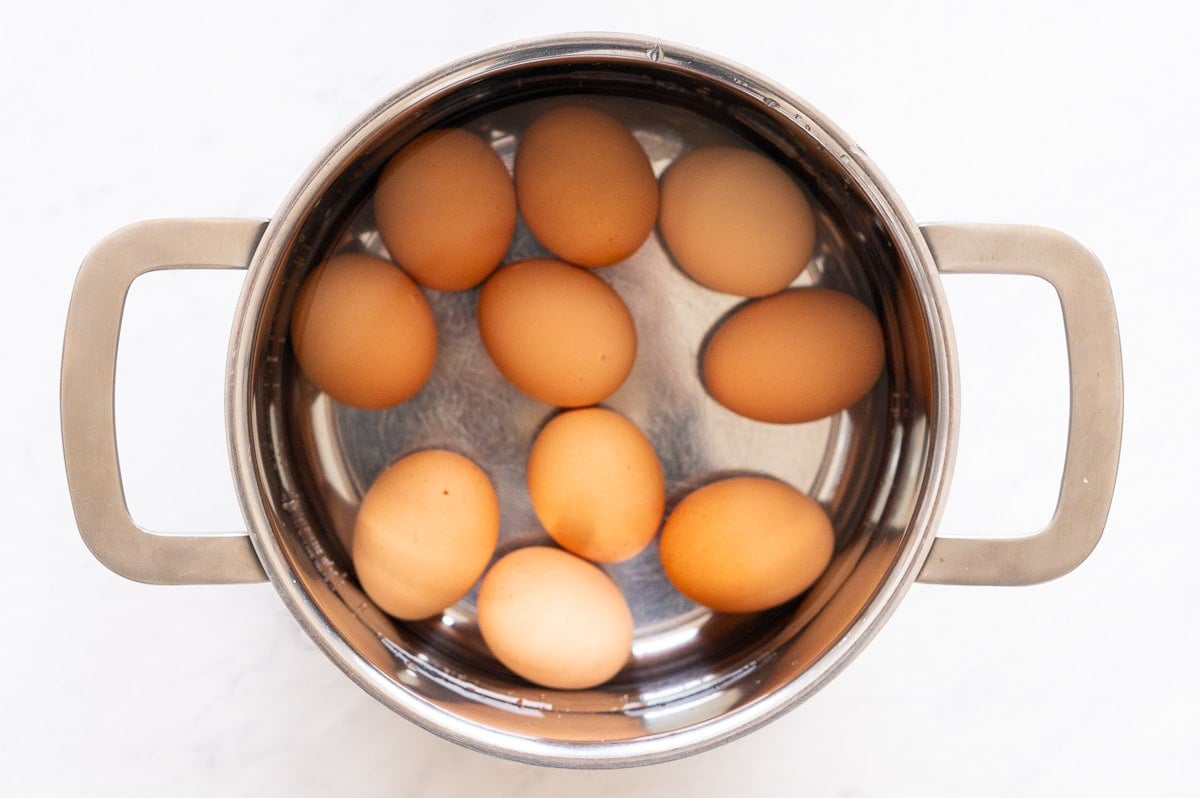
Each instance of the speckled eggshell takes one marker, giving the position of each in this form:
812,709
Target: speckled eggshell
425,532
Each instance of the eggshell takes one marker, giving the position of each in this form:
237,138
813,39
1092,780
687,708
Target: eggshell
585,186
796,356
560,334
735,221
745,544
363,332
596,484
446,209
554,619
425,532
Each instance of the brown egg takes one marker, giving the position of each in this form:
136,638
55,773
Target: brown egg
554,619
735,221
795,356
425,532
446,209
596,484
585,186
745,544
363,332
558,333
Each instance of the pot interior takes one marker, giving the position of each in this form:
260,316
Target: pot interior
691,669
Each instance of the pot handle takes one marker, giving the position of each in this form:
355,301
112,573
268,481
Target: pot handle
1094,430
88,376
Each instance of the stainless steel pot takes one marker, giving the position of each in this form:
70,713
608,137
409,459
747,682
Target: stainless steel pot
695,679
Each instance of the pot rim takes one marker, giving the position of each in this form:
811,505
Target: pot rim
651,748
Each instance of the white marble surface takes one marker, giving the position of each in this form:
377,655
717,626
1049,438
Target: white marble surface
1036,112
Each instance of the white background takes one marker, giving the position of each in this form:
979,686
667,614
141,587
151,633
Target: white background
1080,117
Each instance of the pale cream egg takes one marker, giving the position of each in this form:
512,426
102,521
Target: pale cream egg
554,619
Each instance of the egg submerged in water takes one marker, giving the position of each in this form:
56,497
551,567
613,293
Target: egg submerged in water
596,484
558,333
425,531
363,332
585,186
446,209
745,544
554,619
797,356
735,221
